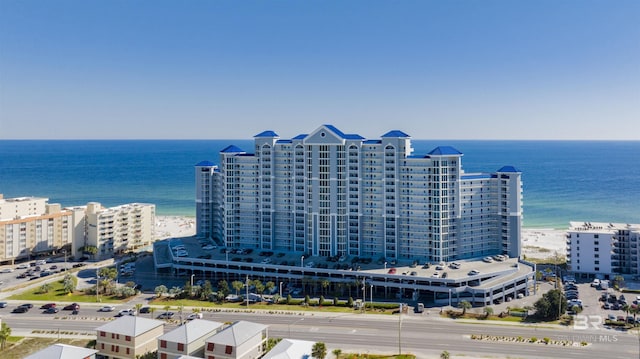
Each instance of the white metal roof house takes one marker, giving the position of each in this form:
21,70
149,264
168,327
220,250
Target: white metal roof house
187,339
64,351
291,349
128,337
240,340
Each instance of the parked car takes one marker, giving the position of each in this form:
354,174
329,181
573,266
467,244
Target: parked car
391,271
3,304
193,316
124,312
166,315
107,308
145,310
473,272
595,283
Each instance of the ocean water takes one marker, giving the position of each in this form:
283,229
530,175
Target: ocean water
597,181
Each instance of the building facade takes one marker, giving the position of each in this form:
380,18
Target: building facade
128,337
603,248
30,226
328,193
119,229
187,339
240,340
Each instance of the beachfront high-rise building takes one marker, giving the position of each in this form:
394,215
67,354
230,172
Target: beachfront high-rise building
118,229
30,226
328,193
603,248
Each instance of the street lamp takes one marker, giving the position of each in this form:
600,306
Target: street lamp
449,297
385,266
280,290
371,297
302,261
191,289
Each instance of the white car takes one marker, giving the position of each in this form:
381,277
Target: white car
7,270
193,316
473,272
23,266
208,247
124,312
436,275
487,259
107,308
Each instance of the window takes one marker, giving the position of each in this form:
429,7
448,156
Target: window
127,338
210,347
229,349
163,344
103,334
180,346
128,350
102,346
163,355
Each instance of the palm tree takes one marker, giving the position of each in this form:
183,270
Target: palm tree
464,304
319,350
626,308
5,333
237,285
138,306
337,353
488,311
445,355
152,310
160,290
325,284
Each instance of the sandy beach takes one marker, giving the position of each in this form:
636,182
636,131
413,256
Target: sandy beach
536,243
174,226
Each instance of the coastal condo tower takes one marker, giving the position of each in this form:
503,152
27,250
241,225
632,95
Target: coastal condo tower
328,193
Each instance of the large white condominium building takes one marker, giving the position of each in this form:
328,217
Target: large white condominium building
603,248
119,229
328,193
30,226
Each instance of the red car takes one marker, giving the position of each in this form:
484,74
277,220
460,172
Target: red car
48,305
392,271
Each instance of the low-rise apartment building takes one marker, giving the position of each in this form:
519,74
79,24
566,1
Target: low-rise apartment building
187,339
128,337
240,340
606,249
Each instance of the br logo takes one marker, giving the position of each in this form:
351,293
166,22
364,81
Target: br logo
583,322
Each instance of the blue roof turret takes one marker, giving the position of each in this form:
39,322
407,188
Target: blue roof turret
395,133
205,164
509,169
232,149
444,150
267,134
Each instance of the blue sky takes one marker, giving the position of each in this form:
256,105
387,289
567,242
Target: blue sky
231,69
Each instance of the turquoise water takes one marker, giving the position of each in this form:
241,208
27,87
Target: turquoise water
563,180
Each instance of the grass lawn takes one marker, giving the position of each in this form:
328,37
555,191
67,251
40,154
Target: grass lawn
174,304
373,356
57,294
19,347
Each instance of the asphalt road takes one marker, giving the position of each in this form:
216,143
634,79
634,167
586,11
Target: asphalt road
423,336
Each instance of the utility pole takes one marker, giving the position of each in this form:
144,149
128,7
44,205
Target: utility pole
97,285
400,330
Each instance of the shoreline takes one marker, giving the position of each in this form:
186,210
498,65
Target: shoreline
539,243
